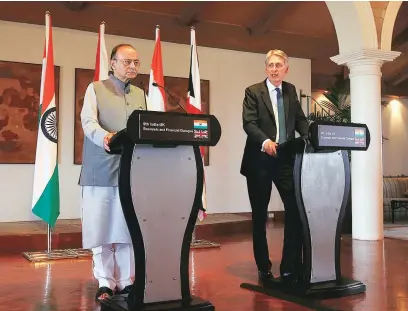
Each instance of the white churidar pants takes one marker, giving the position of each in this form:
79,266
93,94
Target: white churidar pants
113,265
105,232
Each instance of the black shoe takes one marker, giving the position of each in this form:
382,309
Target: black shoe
267,279
125,291
104,293
265,275
289,281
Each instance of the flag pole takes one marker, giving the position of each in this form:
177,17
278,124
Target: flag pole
48,13
194,242
48,239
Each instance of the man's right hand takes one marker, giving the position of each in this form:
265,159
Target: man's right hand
270,148
106,141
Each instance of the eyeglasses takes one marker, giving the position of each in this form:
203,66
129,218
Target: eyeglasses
277,65
128,62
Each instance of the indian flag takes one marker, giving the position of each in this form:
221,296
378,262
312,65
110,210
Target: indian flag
359,133
200,124
46,201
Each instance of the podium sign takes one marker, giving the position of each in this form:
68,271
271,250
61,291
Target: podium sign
161,127
151,127
346,136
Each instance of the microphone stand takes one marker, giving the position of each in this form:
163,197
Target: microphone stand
177,101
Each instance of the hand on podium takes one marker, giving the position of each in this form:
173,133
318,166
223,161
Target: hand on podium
106,140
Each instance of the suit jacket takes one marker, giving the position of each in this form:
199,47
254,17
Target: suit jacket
259,123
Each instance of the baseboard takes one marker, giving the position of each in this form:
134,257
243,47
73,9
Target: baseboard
31,236
279,216
276,216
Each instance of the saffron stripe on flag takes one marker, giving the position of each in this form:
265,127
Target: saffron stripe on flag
157,96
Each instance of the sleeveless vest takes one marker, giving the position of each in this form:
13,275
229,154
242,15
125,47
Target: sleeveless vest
115,103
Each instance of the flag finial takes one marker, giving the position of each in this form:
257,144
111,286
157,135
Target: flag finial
103,23
157,26
47,13
192,28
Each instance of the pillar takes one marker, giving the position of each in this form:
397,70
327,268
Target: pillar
366,166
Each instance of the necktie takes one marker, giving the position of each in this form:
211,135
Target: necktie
281,117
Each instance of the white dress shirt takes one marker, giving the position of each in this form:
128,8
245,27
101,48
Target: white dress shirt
274,99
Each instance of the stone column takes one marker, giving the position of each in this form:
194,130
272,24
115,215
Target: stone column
366,166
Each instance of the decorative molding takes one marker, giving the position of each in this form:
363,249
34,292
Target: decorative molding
365,54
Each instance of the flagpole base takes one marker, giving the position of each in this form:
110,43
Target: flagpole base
204,244
57,255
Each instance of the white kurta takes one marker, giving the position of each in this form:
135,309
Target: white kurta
103,221
102,217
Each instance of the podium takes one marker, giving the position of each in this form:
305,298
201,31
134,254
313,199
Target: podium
160,186
322,187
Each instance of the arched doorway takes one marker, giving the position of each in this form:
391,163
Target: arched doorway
357,31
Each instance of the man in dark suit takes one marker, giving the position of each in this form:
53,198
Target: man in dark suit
271,115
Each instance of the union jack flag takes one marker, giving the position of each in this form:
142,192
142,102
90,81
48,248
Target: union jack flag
200,134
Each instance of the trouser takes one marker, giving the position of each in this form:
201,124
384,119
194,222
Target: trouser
114,265
259,189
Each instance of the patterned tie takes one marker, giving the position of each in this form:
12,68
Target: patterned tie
281,117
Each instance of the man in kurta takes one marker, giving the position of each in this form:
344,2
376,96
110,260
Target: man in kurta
107,107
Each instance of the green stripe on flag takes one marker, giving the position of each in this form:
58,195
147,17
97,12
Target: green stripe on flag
47,206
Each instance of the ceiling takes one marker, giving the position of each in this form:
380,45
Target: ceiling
302,29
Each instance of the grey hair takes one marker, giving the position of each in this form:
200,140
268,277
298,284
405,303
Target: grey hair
278,53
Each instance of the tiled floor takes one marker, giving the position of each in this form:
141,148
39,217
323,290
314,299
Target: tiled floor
216,275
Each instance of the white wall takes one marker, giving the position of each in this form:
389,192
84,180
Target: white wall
229,72
395,128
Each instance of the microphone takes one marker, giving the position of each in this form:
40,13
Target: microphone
176,100
144,93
